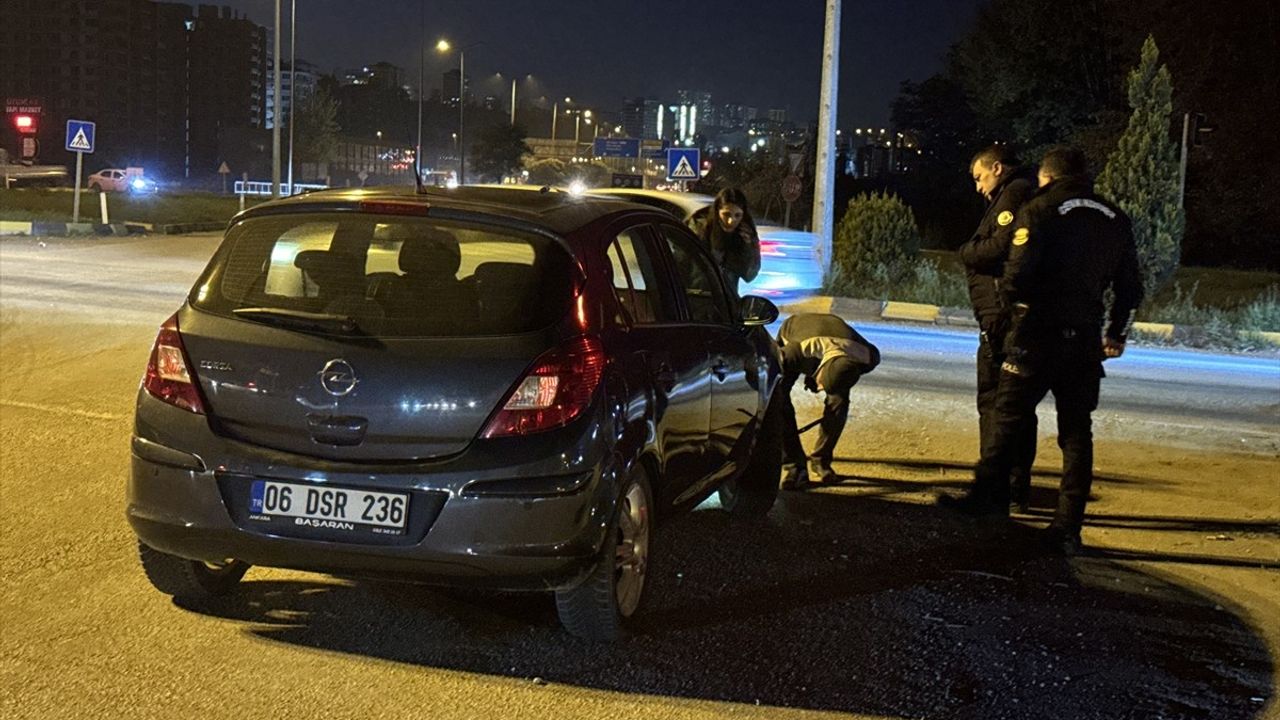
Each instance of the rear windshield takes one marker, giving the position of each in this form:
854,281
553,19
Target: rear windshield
391,276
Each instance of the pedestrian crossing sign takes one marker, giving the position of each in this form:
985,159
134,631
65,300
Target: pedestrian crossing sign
683,163
80,136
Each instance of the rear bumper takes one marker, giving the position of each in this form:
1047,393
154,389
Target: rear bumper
502,541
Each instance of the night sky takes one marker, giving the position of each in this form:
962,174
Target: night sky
764,53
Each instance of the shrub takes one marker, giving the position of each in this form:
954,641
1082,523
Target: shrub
877,240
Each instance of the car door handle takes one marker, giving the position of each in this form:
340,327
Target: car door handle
720,369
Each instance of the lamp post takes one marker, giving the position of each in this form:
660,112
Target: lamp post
275,125
422,74
443,46
293,84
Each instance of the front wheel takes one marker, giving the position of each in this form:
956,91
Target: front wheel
599,607
190,579
752,494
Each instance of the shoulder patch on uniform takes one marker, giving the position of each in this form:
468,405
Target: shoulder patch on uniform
1021,236
1088,204
1004,218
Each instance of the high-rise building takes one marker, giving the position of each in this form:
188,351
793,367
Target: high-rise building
778,115
639,117
701,99
161,80
307,77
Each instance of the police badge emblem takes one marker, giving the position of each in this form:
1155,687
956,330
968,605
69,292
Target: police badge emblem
1004,218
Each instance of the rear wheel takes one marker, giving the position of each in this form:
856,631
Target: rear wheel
600,606
190,579
753,493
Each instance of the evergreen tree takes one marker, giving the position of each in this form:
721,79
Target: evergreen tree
499,151
1141,176
876,242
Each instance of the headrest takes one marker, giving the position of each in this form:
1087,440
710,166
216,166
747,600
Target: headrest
328,269
431,252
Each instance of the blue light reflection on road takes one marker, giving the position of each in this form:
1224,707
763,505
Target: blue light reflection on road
1136,361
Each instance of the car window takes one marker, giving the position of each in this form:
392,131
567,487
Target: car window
634,278
396,277
698,276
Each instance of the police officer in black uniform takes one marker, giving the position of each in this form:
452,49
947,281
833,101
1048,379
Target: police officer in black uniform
997,176
833,357
1070,247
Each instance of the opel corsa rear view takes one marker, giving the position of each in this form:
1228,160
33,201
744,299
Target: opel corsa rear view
473,387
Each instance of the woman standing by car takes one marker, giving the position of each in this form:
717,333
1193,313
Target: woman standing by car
730,234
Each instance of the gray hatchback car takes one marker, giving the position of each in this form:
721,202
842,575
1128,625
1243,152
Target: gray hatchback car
473,387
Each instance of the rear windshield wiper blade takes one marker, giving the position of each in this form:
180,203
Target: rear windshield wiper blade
301,320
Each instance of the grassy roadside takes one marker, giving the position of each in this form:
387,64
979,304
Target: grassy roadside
55,205
1225,307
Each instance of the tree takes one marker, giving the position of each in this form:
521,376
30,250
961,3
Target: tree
877,240
547,173
499,150
316,128
1142,174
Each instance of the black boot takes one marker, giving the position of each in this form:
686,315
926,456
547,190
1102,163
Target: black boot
1020,493
1061,540
975,504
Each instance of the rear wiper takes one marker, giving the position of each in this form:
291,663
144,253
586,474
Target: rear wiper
301,320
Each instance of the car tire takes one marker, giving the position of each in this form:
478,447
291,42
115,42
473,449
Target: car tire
600,607
752,494
189,579
95,186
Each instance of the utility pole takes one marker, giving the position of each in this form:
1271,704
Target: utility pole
1182,163
422,75
513,102
462,112
824,177
275,123
293,82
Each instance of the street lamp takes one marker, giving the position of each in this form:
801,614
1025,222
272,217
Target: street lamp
443,46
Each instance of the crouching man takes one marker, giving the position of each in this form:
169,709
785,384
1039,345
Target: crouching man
832,356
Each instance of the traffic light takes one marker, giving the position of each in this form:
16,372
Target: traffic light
25,124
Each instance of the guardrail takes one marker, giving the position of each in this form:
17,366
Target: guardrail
256,188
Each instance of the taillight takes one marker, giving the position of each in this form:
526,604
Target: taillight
169,377
557,389
770,247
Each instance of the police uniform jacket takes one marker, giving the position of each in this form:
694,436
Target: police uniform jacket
985,253
1070,245
809,340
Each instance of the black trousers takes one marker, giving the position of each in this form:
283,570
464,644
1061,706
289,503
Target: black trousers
990,358
1068,363
835,413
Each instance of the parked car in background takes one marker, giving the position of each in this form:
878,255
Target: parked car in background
790,260
478,387
131,180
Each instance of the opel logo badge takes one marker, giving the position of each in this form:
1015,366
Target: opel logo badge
338,378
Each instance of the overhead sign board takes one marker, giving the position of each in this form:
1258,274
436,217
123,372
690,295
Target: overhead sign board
80,136
617,147
683,163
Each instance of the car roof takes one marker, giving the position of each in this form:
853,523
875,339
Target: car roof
555,210
689,203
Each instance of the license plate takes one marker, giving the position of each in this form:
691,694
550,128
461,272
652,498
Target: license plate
329,508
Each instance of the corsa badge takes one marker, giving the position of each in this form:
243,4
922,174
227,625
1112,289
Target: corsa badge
1021,236
1004,218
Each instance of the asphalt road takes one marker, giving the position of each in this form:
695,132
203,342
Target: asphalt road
861,600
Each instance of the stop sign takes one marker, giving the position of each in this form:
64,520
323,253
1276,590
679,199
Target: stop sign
791,188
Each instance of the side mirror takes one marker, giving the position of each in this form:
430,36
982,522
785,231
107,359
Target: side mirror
754,310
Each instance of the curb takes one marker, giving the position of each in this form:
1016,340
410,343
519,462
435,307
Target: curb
65,229
853,309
